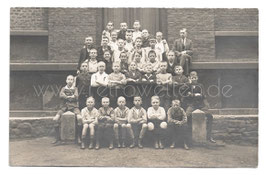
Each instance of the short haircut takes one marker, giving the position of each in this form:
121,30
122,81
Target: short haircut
170,51
138,38
116,63
123,23
114,32
105,38
88,37
175,101
193,74
110,22
105,98
183,30
101,63
121,98
136,21
140,53
155,97
138,97
178,66
163,62
119,39
152,52
90,98
148,64
144,30
109,51
159,33
93,49
70,76
123,52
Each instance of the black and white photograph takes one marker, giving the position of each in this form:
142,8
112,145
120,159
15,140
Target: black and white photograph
133,87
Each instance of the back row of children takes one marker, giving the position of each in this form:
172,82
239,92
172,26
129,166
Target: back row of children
136,44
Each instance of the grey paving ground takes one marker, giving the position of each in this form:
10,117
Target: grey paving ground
40,152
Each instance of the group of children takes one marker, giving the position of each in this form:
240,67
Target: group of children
119,88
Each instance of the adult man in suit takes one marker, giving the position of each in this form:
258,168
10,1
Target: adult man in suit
84,53
183,50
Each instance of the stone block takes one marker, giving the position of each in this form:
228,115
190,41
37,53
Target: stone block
199,132
67,129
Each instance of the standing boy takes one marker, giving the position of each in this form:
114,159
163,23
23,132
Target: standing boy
116,82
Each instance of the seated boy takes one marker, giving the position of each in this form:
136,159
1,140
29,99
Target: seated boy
116,82
163,89
92,63
133,78
129,42
108,61
152,47
171,62
104,46
113,41
121,117
69,95
122,32
148,83
90,120
83,83
116,54
195,98
106,120
177,121
99,82
108,30
138,49
124,62
137,119
137,32
179,82
161,44
155,63
145,38
156,121
139,63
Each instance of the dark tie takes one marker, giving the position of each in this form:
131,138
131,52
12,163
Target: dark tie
183,45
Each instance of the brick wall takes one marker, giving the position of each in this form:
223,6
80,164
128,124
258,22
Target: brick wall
236,19
67,29
28,19
200,25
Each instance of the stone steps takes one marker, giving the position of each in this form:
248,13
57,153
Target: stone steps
236,129
44,113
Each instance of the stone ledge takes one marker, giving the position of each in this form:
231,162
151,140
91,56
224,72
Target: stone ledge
73,66
236,129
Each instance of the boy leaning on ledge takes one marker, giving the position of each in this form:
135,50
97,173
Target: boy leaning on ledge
69,95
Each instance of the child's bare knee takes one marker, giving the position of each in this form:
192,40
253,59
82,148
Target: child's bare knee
91,126
163,125
128,125
144,125
123,125
115,126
